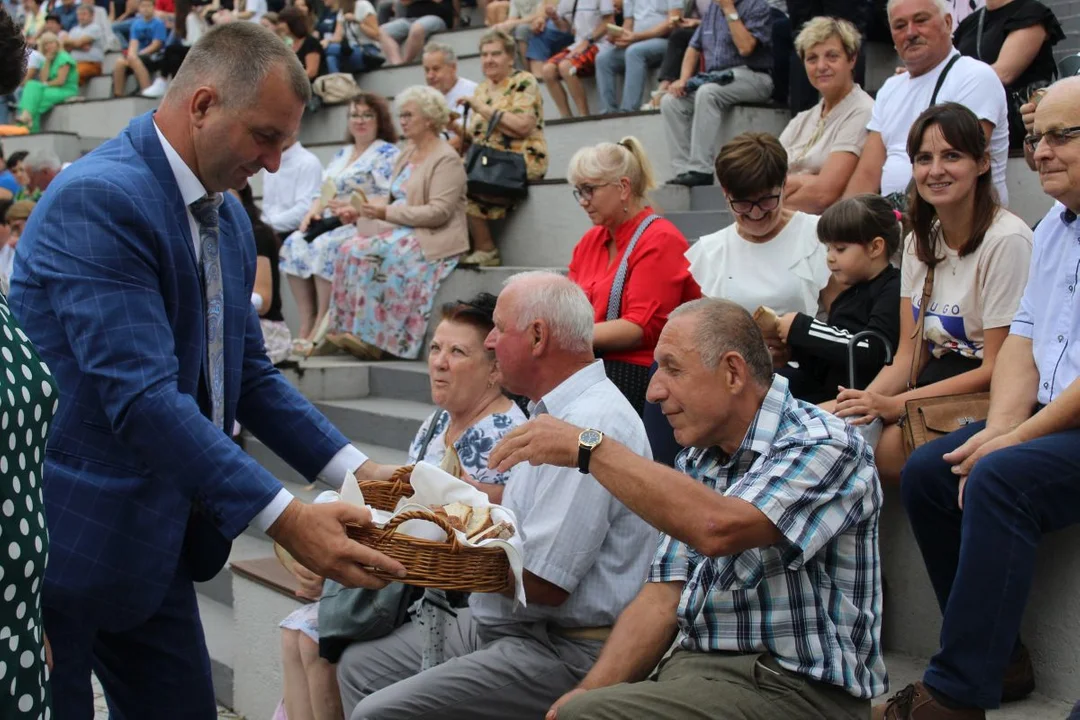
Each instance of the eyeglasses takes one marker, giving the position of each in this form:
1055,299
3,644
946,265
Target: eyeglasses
363,117
744,207
585,192
1054,138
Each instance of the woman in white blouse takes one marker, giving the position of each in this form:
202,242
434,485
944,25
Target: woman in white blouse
771,255
824,142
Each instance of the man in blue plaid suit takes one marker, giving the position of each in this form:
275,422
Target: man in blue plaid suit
767,571
134,279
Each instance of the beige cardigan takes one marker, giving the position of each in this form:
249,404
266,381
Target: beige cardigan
434,202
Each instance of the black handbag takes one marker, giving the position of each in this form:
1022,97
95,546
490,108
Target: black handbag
320,226
495,175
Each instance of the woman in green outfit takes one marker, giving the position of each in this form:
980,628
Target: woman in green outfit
28,402
61,81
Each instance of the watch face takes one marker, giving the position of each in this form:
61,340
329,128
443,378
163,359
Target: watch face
590,438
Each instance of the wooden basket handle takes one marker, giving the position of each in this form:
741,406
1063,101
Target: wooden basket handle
451,534
401,476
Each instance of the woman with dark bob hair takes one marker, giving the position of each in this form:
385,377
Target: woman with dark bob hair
364,165
976,254
771,255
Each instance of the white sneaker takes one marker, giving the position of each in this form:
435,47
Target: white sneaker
157,88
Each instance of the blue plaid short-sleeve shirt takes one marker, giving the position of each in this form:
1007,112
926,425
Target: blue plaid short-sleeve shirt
813,600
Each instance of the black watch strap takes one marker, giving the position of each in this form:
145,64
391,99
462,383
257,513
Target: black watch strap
584,454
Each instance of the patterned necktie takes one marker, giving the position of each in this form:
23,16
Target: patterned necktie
205,212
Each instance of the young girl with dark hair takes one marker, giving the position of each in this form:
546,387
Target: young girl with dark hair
861,234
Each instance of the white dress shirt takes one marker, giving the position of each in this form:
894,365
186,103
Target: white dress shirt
576,535
348,458
288,193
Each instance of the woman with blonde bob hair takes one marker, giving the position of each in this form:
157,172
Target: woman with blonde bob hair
631,264
387,275
824,143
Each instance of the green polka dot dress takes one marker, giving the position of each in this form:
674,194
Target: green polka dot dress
28,401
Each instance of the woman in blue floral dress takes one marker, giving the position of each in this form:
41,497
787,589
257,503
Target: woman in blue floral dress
385,279
365,166
473,415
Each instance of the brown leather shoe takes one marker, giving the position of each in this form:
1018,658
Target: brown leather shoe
916,703
1019,679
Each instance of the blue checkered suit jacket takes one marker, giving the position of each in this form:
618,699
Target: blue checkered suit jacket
137,478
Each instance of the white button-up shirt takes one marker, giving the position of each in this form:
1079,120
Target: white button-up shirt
1049,313
576,535
288,193
348,458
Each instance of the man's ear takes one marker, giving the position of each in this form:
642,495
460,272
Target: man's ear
539,337
201,102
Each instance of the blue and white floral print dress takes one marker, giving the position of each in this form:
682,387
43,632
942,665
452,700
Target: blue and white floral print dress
369,173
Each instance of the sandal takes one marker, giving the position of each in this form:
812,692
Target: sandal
357,347
302,348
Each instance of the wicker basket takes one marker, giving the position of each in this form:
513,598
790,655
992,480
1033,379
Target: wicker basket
446,565
384,494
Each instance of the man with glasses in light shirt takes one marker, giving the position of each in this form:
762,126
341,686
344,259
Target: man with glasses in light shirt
980,499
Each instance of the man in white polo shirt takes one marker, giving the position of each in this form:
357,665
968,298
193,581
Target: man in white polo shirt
441,73
936,73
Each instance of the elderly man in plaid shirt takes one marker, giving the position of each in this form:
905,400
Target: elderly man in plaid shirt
767,572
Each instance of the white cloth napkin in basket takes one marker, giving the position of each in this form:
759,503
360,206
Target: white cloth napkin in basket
433,486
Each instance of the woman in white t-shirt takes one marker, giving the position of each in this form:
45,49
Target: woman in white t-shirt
980,253
771,255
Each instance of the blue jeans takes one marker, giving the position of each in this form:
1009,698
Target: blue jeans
122,30
352,63
981,560
633,61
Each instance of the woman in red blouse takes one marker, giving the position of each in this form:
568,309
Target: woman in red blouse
610,182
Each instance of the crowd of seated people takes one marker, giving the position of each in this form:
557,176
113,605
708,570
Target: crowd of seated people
367,280
830,279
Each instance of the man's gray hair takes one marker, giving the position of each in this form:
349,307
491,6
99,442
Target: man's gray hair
447,52
42,160
235,58
941,5
559,302
723,327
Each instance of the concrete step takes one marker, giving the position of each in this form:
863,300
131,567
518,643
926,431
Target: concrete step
336,377
325,131
380,421
101,118
66,145
694,224
101,87
400,380
463,41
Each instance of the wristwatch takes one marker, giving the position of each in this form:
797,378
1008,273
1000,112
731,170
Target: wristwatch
733,17
588,441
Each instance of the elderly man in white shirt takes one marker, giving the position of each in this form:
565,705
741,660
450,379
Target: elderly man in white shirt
936,73
441,73
981,499
288,193
585,554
